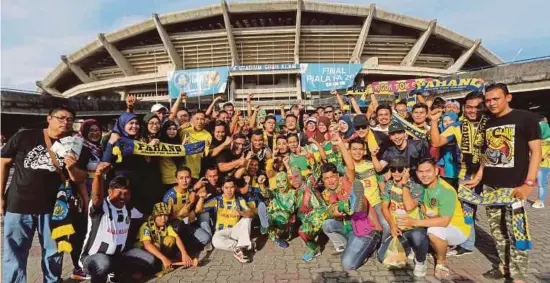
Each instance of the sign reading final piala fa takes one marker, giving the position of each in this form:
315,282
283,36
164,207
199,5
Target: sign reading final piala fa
325,77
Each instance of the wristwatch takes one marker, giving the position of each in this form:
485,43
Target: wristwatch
530,183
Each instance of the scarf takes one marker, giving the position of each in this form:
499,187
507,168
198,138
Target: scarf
175,140
502,197
472,143
273,146
348,135
126,146
411,130
94,147
61,222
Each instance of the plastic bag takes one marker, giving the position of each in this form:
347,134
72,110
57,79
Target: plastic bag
395,256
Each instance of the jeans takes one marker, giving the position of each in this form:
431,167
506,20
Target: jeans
359,249
262,214
205,222
18,234
80,224
542,178
385,225
417,239
191,233
100,265
334,229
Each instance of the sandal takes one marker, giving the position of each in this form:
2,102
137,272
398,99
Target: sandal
442,272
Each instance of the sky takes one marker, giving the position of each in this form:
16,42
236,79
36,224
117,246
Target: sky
34,34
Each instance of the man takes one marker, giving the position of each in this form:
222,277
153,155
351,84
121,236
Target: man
383,118
329,113
258,147
452,106
229,108
212,185
412,150
512,160
182,117
469,135
233,222
161,111
401,109
196,133
224,117
28,203
230,159
419,115
374,139
320,111
104,251
443,215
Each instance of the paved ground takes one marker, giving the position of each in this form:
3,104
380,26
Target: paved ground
272,264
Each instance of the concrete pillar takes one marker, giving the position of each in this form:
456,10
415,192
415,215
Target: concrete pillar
298,87
464,57
79,73
411,57
235,61
168,45
358,50
119,58
123,94
48,89
232,88
297,32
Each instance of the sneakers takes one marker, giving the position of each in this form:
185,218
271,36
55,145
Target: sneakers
282,243
420,268
310,255
240,255
538,204
209,247
79,274
263,230
112,278
441,272
494,274
340,249
459,251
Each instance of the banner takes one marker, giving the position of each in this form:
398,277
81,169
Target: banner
126,146
325,77
423,85
198,82
269,67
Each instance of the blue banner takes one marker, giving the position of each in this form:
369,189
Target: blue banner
198,82
324,77
269,67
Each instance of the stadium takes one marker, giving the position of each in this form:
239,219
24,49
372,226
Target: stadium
262,42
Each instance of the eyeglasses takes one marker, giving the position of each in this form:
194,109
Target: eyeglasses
69,120
397,169
358,128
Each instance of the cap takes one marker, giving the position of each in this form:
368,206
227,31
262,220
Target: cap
158,107
311,119
360,120
398,161
161,208
395,127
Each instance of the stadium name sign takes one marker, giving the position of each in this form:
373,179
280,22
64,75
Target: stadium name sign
269,67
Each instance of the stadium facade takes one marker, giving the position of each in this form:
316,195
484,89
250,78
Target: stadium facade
136,59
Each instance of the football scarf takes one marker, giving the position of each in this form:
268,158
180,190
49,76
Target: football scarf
126,146
472,143
61,222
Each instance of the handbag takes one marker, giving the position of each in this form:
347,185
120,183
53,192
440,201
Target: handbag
360,224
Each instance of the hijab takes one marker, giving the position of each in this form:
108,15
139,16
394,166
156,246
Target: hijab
94,147
121,123
351,130
322,137
164,136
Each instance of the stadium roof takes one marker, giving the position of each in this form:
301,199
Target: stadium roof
271,32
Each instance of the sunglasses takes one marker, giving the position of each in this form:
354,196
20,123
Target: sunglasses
397,169
358,128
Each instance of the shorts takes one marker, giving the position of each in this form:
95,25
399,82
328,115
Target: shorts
451,234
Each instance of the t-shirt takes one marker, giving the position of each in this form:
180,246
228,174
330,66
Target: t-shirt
168,169
253,197
413,152
175,201
443,201
35,181
366,175
107,229
226,156
395,197
194,161
224,210
507,154
147,233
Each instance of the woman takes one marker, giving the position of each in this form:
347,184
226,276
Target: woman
449,154
323,133
169,165
347,131
311,127
151,131
90,131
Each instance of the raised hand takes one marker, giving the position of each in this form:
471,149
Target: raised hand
131,101
435,114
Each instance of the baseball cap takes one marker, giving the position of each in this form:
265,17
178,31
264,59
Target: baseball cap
311,119
395,127
398,162
360,120
158,107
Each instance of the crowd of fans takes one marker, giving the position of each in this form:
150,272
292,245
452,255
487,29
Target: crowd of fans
363,177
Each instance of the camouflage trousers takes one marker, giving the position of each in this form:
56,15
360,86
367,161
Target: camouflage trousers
512,260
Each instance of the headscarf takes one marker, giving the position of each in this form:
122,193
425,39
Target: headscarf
145,133
121,123
452,115
164,136
94,147
322,137
351,129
